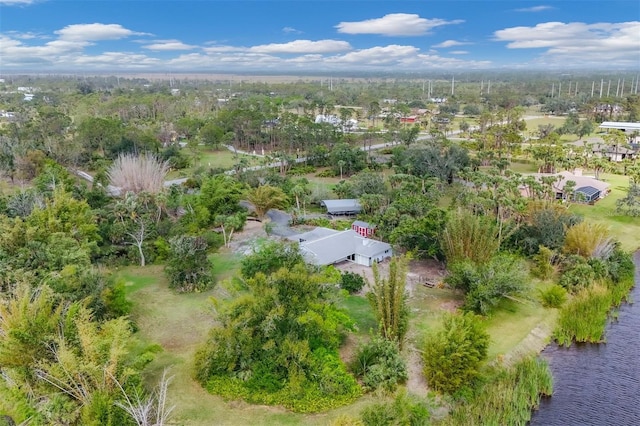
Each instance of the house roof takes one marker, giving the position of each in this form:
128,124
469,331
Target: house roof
362,224
313,235
620,125
329,249
581,181
342,206
337,246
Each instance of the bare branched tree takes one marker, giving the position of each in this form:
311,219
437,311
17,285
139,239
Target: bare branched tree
137,173
151,410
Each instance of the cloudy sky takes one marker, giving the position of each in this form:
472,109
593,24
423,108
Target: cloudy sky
317,35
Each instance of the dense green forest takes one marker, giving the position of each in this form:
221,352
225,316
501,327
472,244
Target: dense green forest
141,271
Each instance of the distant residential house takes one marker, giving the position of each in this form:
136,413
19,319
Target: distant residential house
331,119
345,206
630,129
587,189
611,153
324,246
363,228
409,120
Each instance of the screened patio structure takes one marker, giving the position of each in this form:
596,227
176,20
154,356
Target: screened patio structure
587,194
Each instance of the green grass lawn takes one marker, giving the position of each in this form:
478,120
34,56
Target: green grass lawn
209,158
512,323
360,311
532,125
179,324
626,229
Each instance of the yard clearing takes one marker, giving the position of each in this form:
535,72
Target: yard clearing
179,323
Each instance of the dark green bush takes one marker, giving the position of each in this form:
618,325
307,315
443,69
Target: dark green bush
378,364
188,268
486,284
301,170
327,173
352,282
577,276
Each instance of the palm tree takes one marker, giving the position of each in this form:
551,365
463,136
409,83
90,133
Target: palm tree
265,198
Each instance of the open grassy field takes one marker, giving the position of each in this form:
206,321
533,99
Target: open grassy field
532,124
209,158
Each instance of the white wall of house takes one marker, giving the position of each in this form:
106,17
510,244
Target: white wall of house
368,261
362,260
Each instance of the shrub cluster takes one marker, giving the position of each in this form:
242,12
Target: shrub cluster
351,282
379,365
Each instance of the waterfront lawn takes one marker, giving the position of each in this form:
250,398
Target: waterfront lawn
511,326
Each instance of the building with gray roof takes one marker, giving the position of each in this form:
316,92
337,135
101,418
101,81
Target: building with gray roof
323,246
346,206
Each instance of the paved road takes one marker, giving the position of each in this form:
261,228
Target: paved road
115,191
280,222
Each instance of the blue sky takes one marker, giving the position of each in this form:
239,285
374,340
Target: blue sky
317,36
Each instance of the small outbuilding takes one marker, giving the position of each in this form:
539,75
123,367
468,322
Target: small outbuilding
363,228
344,207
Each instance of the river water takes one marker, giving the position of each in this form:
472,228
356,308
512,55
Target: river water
597,384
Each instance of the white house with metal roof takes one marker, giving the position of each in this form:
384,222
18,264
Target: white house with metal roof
324,246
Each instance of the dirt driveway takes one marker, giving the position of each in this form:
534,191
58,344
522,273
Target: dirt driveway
419,272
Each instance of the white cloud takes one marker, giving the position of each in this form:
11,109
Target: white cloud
451,43
18,2
224,48
24,35
112,60
304,46
168,45
535,8
289,30
95,32
578,42
459,52
376,55
63,51
394,24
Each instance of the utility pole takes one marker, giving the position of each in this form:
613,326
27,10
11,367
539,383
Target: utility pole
601,86
609,88
622,89
453,85
593,86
